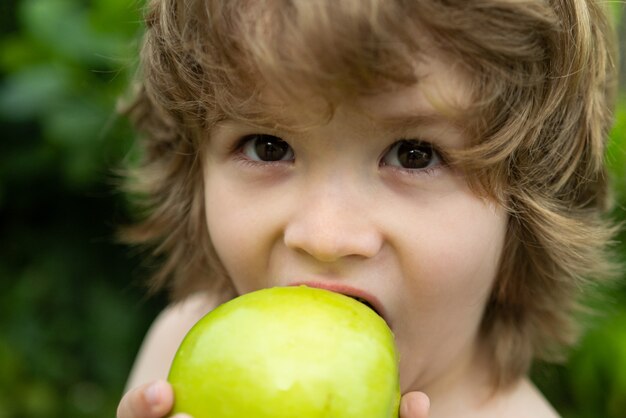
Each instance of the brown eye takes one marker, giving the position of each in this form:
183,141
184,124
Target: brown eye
411,155
263,147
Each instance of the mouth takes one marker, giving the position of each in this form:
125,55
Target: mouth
357,294
365,302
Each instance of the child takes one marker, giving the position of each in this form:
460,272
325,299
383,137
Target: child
442,159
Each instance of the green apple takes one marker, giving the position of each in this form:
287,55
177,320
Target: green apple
288,352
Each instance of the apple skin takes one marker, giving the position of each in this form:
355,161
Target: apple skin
288,352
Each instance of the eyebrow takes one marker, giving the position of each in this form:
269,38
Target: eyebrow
416,120
400,122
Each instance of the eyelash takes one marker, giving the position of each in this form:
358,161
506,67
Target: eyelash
238,151
437,155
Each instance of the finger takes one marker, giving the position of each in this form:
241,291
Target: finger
153,400
414,405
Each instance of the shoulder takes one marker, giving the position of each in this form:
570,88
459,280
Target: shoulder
165,335
524,401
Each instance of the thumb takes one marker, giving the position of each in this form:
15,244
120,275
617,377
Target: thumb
152,400
414,405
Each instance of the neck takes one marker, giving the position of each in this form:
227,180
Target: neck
465,386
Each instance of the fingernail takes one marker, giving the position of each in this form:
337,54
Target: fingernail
153,393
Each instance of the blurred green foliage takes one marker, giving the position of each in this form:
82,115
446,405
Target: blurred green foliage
72,312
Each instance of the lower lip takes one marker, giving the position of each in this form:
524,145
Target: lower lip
348,291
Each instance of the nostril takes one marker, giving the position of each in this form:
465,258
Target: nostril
328,231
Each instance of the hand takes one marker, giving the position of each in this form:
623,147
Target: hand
414,405
152,400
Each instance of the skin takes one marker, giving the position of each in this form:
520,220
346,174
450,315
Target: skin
341,208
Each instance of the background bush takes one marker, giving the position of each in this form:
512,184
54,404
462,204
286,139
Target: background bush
72,309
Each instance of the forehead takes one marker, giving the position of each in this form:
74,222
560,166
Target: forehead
441,95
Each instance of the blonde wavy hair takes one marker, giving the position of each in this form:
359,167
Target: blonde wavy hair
542,77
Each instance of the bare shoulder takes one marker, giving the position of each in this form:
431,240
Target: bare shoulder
525,401
165,335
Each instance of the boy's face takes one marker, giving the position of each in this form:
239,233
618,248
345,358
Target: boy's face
365,205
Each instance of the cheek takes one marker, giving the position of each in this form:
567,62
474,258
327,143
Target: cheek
244,226
460,255
232,229
448,280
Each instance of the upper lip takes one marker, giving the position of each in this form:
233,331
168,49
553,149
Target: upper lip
348,291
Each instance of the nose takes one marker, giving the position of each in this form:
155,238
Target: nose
332,226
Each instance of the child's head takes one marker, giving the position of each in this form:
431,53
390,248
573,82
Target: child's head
525,89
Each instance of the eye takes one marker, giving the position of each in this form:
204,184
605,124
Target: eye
412,155
263,147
